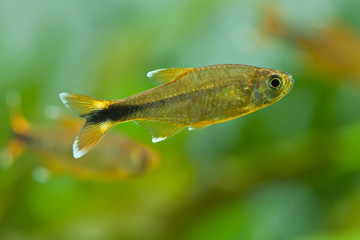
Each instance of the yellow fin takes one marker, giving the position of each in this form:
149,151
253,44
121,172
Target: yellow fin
192,128
162,76
81,104
160,130
20,129
89,135
96,125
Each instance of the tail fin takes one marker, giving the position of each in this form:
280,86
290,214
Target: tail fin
95,127
19,125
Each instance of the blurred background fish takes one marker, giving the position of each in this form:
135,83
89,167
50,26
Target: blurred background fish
118,158
289,171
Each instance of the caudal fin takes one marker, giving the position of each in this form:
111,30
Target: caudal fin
95,127
20,129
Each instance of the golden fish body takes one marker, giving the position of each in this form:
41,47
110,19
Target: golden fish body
187,97
206,95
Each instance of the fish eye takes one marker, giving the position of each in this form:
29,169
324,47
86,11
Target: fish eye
274,82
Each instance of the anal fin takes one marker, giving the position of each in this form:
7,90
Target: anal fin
192,128
160,130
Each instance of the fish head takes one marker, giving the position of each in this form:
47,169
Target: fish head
270,85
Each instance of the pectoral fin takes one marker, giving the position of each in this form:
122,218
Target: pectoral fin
160,130
162,76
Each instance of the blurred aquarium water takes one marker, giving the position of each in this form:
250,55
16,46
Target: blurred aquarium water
289,171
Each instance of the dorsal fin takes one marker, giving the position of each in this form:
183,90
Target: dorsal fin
162,76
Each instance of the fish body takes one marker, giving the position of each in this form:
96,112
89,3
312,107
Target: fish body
187,97
199,97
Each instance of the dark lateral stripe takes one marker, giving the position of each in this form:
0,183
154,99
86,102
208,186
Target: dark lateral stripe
23,137
118,112
115,112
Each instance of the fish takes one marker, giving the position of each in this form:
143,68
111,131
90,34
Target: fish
118,158
191,98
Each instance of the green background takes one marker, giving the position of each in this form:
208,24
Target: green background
289,171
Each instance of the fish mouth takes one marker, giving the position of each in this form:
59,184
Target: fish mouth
290,84
292,81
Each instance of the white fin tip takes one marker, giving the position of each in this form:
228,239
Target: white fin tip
63,97
155,140
152,73
76,152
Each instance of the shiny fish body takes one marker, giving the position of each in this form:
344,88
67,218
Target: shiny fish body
200,97
186,97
